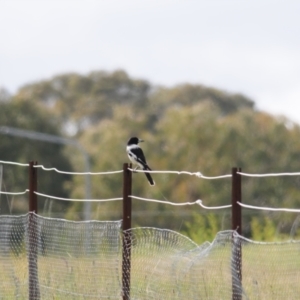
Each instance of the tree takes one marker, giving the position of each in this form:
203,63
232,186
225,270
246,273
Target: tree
30,116
191,127
78,101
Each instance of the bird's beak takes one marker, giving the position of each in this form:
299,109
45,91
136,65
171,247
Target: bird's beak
141,140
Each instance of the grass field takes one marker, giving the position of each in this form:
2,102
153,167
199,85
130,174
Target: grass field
269,271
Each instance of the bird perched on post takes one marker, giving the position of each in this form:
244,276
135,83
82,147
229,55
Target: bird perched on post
137,157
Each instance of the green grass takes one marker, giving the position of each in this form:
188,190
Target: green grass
269,271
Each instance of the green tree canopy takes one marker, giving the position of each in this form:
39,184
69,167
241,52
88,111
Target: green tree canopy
186,127
29,115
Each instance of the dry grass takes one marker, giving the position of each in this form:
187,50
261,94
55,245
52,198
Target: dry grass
269,272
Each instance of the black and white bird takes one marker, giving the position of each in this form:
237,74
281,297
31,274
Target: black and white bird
137,157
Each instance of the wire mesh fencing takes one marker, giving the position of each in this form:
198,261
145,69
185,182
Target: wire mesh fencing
74,260
83,260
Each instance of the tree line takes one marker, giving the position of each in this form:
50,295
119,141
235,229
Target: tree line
186,127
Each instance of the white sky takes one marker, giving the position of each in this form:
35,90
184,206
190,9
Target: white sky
246,46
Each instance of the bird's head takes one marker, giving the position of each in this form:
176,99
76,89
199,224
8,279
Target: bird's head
134,140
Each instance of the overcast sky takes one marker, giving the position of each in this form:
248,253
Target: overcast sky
250,47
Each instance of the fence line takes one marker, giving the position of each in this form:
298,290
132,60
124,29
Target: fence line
236,209
197,174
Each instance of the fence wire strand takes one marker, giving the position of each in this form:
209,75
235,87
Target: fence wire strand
78,173
13,163
197,174
164,201
270,174
14,193
199,202
78,200
268,208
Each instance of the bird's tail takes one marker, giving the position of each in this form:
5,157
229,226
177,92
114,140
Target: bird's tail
148,175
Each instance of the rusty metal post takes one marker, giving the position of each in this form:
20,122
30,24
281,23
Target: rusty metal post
236,242
34,291
33,206
236,197
126,255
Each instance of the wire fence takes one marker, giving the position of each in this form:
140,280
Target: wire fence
196,174
37,237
